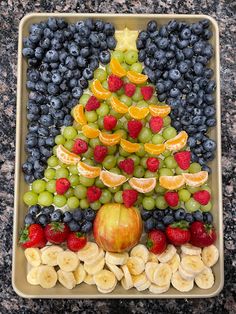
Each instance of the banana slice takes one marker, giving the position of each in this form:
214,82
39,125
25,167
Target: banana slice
88,252
94,268
126,282
210,255
174,263
185,275
47,276
150,268
89,280
66,278
145,286
33,256
135,265
79,274
139,280
116,271
205,280
105,281
167,255
192,264
116,258
32,276
158,289
67,260
152,257
140,250
190,249
49,255
162,274
180,284
92,261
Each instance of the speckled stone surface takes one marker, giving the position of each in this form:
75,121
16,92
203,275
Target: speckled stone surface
10,14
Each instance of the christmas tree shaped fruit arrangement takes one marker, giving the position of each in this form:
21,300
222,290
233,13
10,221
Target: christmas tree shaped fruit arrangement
119,168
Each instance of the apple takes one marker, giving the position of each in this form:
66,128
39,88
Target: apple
117,228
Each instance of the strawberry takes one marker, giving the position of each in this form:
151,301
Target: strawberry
32,236
100,153
114,83
80,146
203,197
127,165
76,241
156,124
183,159
171,198
109,122
134,128
62,185
129,89
202,235
147,92
129,197
93,194
156,242
92,104
178,233
152,164
56,232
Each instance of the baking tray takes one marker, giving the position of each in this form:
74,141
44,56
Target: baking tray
19,265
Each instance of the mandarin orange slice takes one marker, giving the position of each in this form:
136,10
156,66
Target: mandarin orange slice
137,78
138,113
111,179
154,149
172,182
195,179
99,91
118,106
159,111
90,132
87,170
109,139
128,146
79,116
116,68
67,157
177,142
143,185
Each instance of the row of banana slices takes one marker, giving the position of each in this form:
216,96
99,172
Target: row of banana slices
139,269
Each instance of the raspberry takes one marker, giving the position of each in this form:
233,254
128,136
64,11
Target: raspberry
93,194
100,153
152,164
62,186
183,159
134,128
80,146
129,89
156,124
92,104
127,165
172,198
114,83
147,92
129,197
109,122
203,197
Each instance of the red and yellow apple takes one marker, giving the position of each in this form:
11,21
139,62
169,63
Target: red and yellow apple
117,228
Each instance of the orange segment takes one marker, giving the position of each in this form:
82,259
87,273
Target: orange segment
172,182
111,179
138,113
154,149
128,146
118,106
87,170
66,156
178,142
79,116
143,185
195,179
159,111
109,139
116,68
137,78
90,132
99,91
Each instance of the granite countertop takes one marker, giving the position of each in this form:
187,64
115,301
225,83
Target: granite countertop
10,14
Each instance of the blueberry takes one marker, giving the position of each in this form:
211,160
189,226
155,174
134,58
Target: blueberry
56,215
27,168
160,226
84,31
179,214
74,226
52,55
29,219
160,87
68,120
207,34
41,86
47,210
197,28
99,25
152,26
150,74
198,215
210,87
89,214
145,214
211,122
163,31
86,226
151,49
42,219
185,33
77,215
158,214
174,75
182,44
70,62
189,218
162,97
111,42
174,92
209,145
52,24
67,217
93,64
168,219
172,25
77,92
34,210
108,29
53,89
163,43
208,218
28,52
149,224
186,120
56,78
208,51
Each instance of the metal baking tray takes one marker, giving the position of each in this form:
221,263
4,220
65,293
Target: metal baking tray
83,291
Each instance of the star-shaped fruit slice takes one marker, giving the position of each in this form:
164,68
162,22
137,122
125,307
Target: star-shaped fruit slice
126,39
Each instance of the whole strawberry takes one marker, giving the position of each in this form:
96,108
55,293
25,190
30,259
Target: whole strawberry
202,235
147,92
93,194
203,197
156,124
62,186
129,197
156,242
152,164
92,104
129,89
32,236
80,146
114,83
109,122
100,152
183,159
172,198
127,165
134,128
56,232
76,241
178,233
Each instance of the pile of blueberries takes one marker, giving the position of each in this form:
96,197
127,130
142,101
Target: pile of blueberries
78,220
176,57
61,60
160,219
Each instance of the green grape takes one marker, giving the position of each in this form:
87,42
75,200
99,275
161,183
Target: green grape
126,100
142,104
161,163
54,150
30,198
74,179
51,186
89,153
140,199
86,181
99,183
206,208
120,91
109,162
192,189
136,159
161,202
62,165
165,172
141,152
145,135
105,197
84,99
166,153
69,132
184,195
170,162
89,162
69,144
52,161
153,100
69,193
82,137
114,190
73,169
169,133
130,139
119,125
59,200
73,202
38,186
45,198
126,186
143,162
131,56
118,197
178,170
105,85
137,95
100,123
139,172
84,203
59,139
108,69
159,189
148,203
103,110
100,74
94,142
150,174
158,139
166,121
119,55
112,149
122,152
95,205
91,116
50,173
206,188
117,115
120,158
128,117
125,66
137,67
194,167
80,191
122,133
62,173
191,205
115,170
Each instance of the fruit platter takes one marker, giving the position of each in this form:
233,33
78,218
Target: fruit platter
118,170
